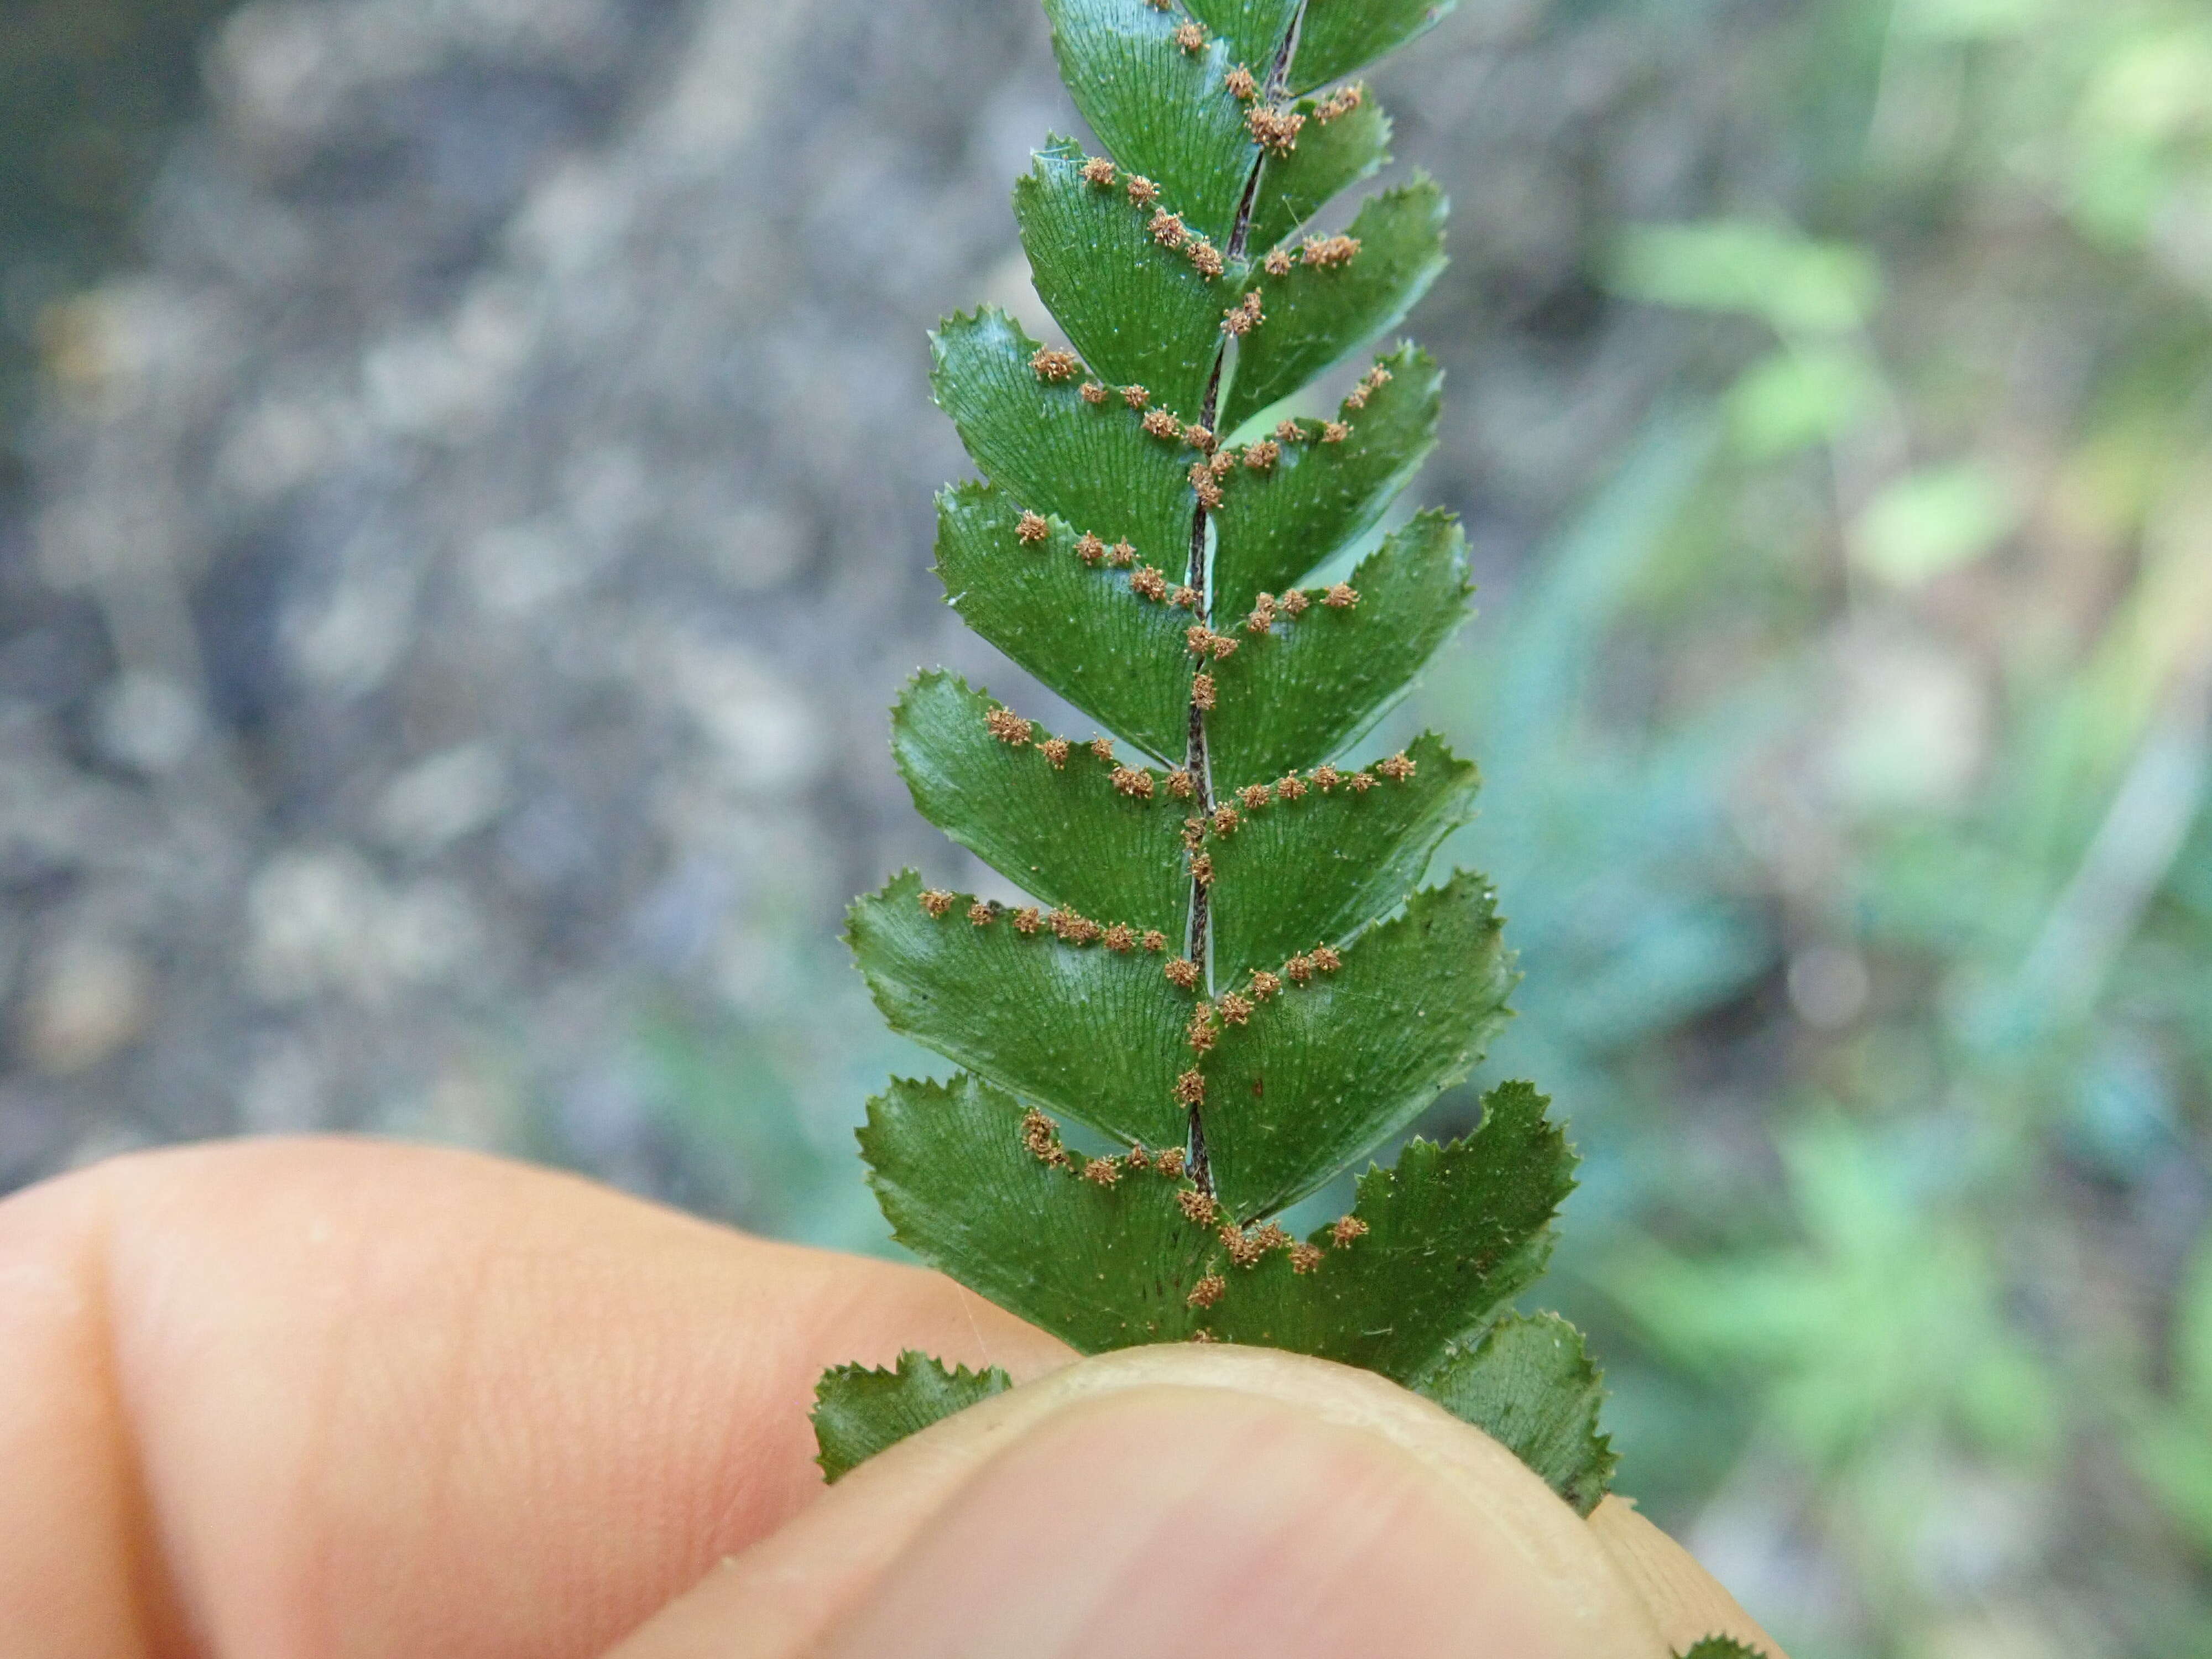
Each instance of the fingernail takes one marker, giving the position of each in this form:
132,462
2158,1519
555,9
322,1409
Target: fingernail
1169,1521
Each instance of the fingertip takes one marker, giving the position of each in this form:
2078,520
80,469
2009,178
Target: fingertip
1176,1501
1687,1601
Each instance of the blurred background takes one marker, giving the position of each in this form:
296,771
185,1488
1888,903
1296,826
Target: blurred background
464,493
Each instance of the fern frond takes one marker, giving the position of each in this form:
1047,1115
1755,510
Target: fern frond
1228,970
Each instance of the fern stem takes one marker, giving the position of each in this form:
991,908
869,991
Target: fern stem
1199,577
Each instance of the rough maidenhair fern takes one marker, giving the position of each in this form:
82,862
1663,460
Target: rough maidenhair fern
1223,975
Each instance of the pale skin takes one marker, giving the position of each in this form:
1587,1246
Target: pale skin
284,1399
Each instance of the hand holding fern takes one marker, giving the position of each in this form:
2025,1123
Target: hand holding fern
323,1398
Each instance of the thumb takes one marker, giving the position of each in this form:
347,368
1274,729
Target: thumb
1176,1501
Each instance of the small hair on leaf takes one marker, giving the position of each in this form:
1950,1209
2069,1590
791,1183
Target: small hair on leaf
1167,230
1182,972
1149,584
1099,170
1154,940
1191,37
1241,84
1102,1171
1142,191
1032,528
1179,781
1055,750
1028,920
1094,392
1190,1088
1341,597
1334,431
983,914
1345,1229
1277,263
1202,695
1397,767
1204,1294
1120,938
1133,782
1265,985
936,900
1254,796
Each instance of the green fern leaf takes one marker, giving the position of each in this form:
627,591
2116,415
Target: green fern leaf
1140,313
1316,497
1094,1033
1162,108
1108,1257
1251,30
1112,651
1319,1071
1237,984
1299,693
1100,1266
1529,1385
1061,828
1723,1647
1090,465
1329,303
1334,150
1339,36
1313,866
858,1412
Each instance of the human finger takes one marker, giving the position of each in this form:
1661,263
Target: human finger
325,1397
1176,1501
